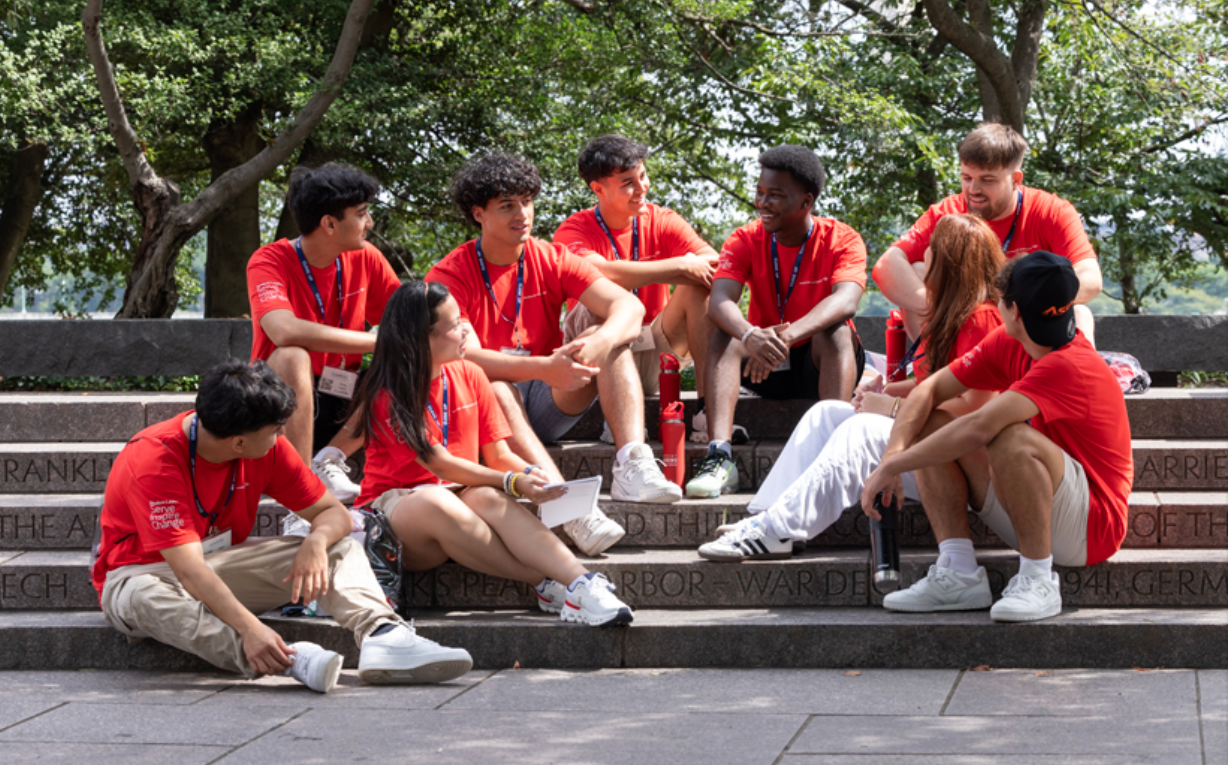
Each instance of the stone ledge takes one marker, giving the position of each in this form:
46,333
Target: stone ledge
782,638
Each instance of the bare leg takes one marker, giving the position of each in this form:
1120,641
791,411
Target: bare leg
834,355
724,376
947,490
619,392
293,366
433,525
688,329
524,442
1027,468
523,534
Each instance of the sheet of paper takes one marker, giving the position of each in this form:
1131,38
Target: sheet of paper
579,501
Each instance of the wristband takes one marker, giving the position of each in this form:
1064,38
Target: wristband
896,407
532,467
507,479
746,334
512,486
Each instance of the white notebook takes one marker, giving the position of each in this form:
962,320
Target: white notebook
579,501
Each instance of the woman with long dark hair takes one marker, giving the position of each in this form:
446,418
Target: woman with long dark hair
837,445
428,416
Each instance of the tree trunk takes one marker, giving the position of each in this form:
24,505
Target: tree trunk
1129,286
20,201
234,233
982,20
311,156
927,185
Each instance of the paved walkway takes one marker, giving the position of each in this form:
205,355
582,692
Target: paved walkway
785,717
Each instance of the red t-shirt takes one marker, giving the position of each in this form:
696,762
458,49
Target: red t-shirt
1046,222
1082,410
984,319
552,274
474,418
663,234
148,505
834,253
275,280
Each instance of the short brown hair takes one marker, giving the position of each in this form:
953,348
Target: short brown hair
993,146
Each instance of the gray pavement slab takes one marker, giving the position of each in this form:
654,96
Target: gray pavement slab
495,738
14,711
350,693
150,724
819,691
109,754
1076,693
973,759
113,687
1213,698
1176,740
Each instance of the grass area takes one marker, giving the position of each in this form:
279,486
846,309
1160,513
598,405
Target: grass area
1203,380
112,384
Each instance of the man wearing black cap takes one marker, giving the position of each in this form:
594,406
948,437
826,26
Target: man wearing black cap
1047,465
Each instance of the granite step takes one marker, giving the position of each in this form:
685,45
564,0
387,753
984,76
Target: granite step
673,578
89,417
1168,520
863,638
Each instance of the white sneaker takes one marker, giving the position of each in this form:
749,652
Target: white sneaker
592,602
293,526
717,475
699,431
551,599
1029,598
749,540
333,472
315,667
400,655
943,589
640,480
594,533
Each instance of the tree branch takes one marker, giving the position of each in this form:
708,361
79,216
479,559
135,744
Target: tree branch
581,6
1026,55
984,53
1194,131
982,20
215,196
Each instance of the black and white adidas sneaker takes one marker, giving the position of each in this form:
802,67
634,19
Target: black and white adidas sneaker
748,541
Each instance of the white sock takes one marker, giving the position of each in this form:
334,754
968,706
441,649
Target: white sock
330,451
959,555
583,577
624,453
542,587
1041,567
723,446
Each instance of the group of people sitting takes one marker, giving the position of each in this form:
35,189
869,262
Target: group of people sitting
509,340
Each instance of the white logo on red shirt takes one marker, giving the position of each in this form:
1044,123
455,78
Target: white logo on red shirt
266,291
816,281
163,514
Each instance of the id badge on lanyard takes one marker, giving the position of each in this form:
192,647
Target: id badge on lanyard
215,539
785,366
518,349
334,381
338,382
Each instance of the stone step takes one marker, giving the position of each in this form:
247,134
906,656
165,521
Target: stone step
1165,520
864,638
89,417
662,578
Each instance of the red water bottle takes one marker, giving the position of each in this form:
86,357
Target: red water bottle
896,341
670,381
673,440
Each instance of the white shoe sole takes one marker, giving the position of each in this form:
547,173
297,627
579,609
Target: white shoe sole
1031,616
548,606
712,494
738,558
620,619
332,673
431,672
658,497
918,608
603,543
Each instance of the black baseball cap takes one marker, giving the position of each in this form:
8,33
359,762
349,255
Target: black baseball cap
1044,287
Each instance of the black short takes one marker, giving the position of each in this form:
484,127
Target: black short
801,380
331,414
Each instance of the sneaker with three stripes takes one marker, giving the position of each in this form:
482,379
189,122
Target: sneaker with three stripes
748,540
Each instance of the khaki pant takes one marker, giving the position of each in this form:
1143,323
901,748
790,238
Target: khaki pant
647,362
147,601
1068,520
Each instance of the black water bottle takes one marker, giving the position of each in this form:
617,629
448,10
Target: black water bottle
885,542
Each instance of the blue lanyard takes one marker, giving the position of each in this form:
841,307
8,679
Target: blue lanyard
234,472
912,357
797,265
1006,243
490,290
443,428
635,240
311,282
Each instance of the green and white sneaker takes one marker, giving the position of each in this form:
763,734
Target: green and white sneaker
718,474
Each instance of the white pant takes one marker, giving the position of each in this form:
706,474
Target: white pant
822,469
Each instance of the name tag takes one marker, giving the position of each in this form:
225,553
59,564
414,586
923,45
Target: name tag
220,541
338,382
644,341
515,351
783,366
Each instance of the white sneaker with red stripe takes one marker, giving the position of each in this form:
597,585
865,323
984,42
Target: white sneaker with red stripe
551,597
592,602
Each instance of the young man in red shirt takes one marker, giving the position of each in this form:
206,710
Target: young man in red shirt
511,289
806,276
175,562
644,249
312,300
1047,464
1025,220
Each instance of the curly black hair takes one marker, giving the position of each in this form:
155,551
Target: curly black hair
329,189
609,154
799,162
492,176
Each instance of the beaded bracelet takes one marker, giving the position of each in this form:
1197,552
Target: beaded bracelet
507,479
512,486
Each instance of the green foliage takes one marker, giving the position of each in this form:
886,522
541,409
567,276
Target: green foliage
1202,379
184,384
